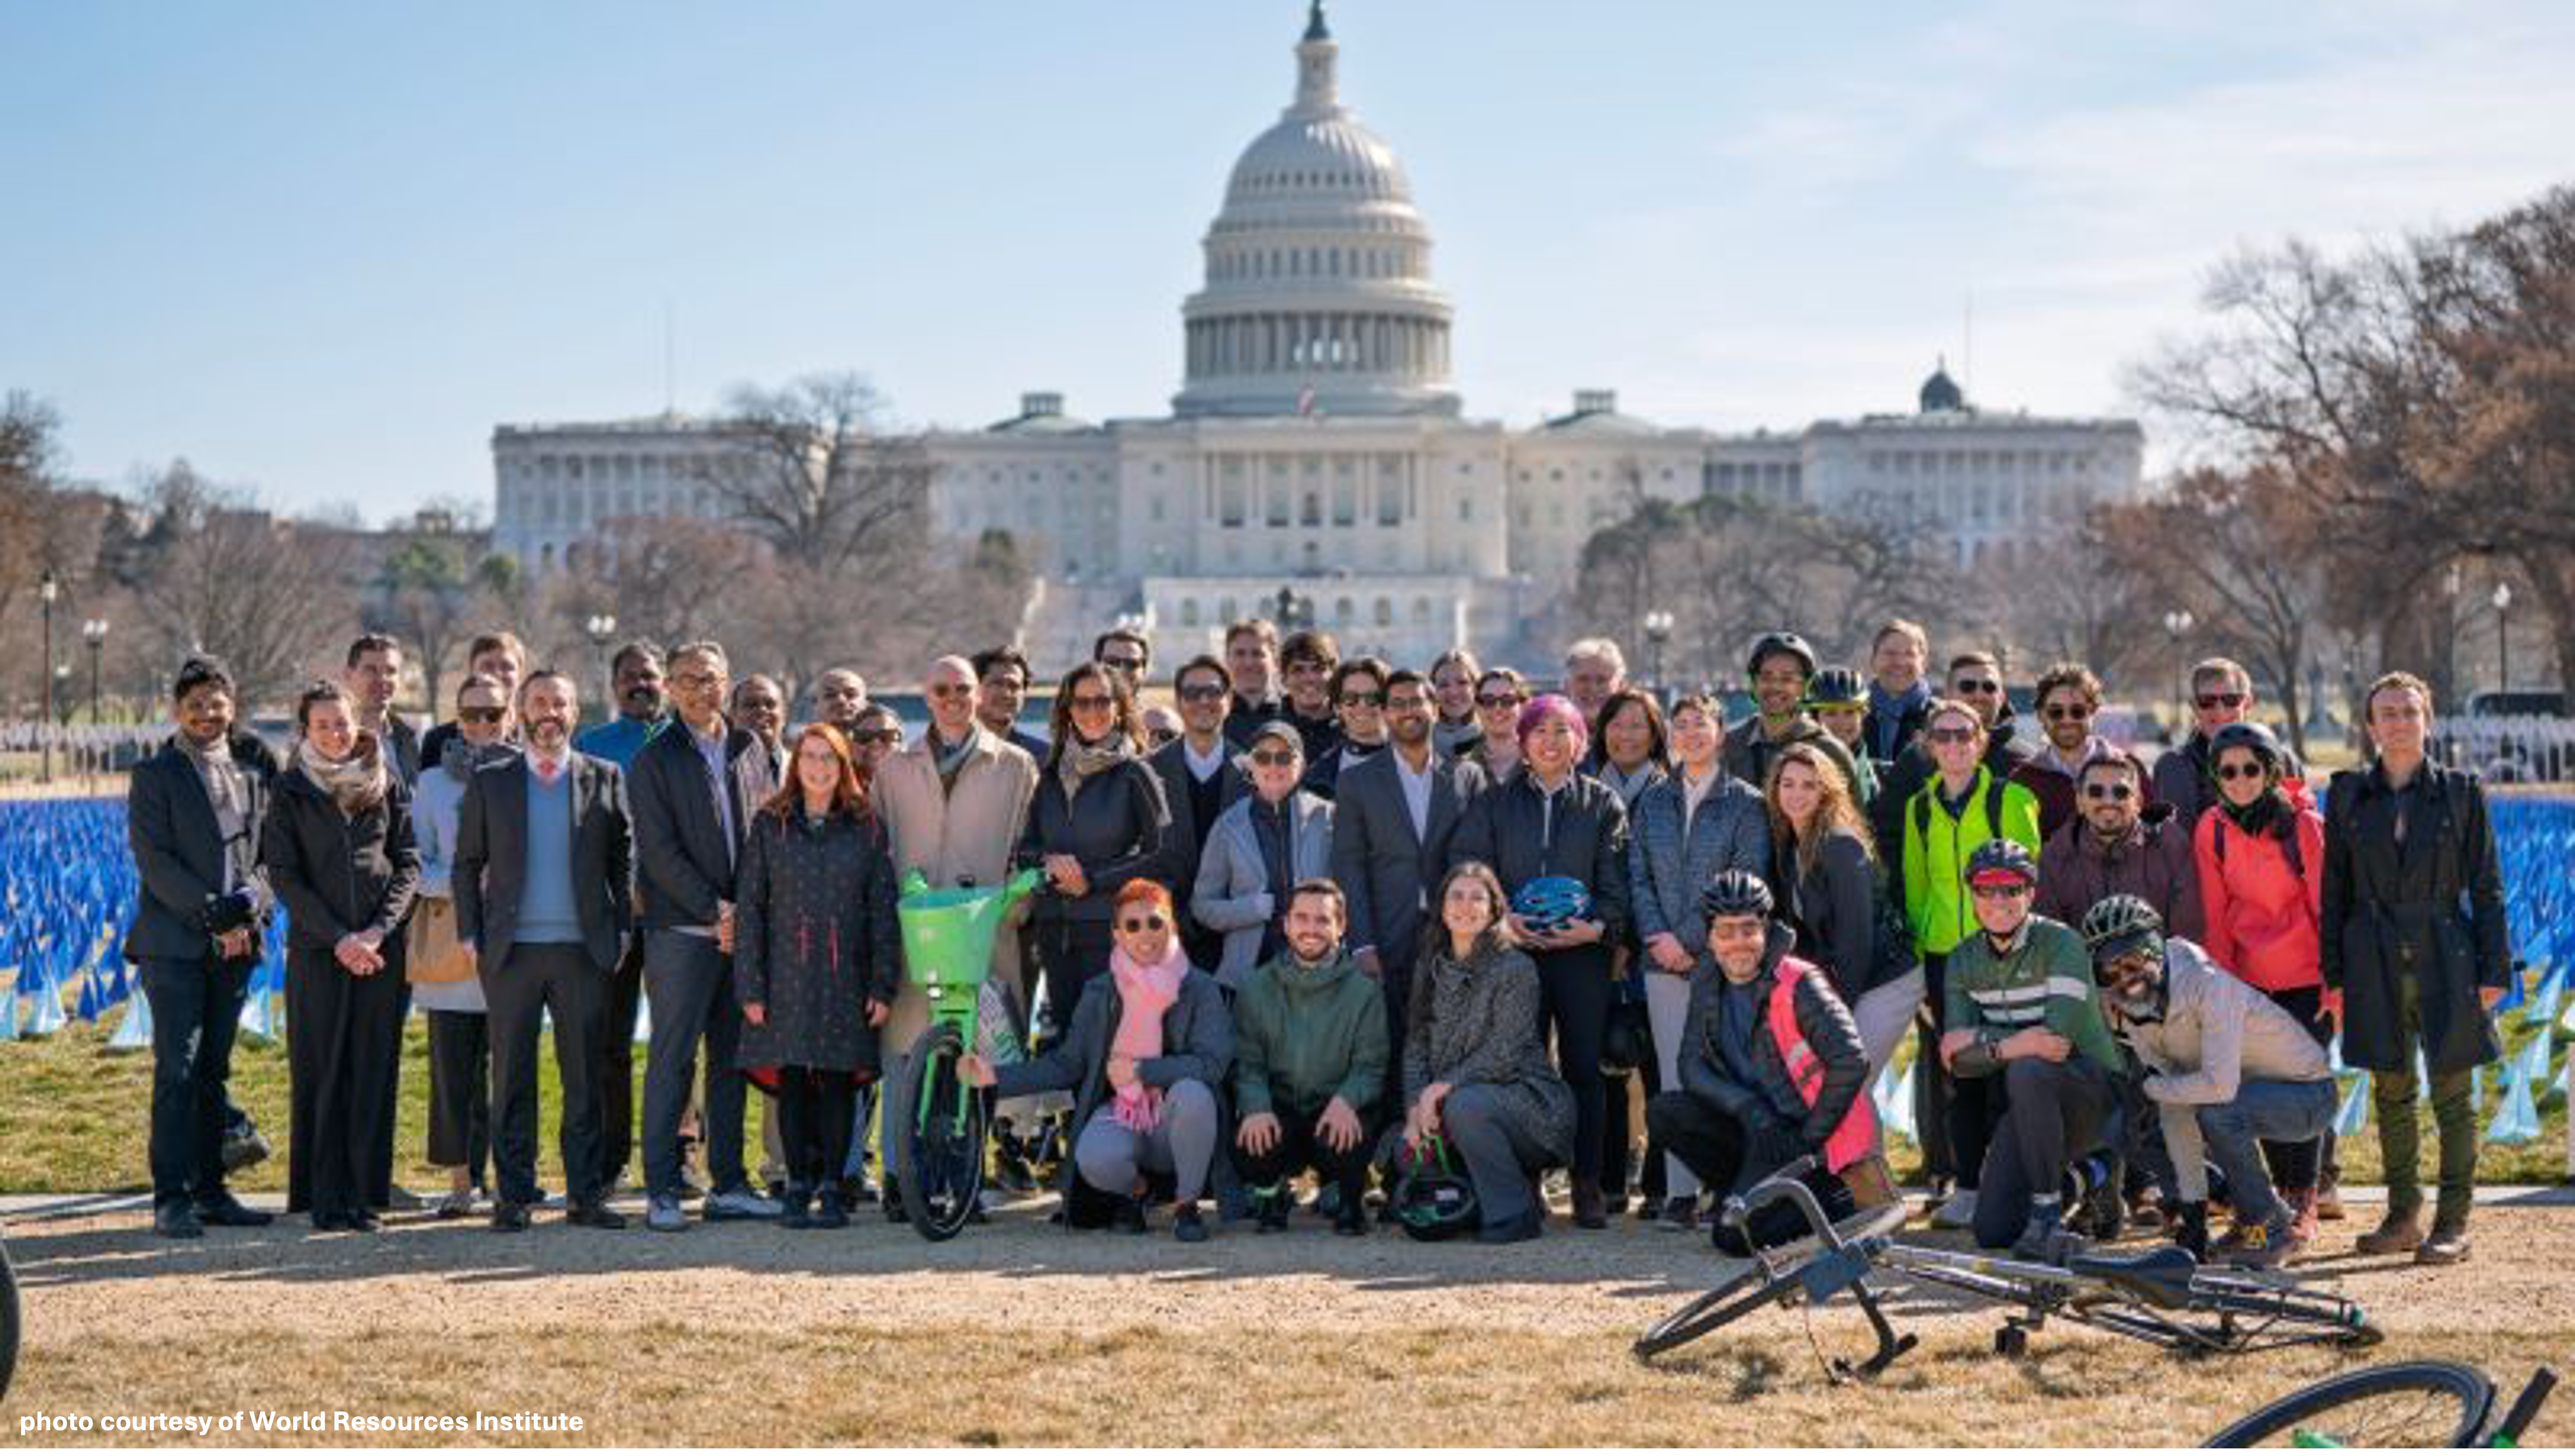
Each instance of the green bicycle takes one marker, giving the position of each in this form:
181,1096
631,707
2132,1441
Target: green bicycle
2431,1403
936,1123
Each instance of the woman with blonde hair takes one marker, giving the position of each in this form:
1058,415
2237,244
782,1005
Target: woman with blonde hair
1831,892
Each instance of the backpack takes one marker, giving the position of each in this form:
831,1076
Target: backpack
1994,786
2297,856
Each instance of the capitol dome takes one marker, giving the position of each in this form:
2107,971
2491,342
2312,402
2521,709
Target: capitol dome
1317,294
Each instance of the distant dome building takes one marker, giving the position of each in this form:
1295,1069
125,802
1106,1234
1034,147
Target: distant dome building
1317,295
1318,447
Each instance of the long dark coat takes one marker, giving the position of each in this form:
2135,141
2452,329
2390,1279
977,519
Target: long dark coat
815,938
2431,907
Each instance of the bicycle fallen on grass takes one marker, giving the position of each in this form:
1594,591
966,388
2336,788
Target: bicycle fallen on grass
2421,1403
2163,1296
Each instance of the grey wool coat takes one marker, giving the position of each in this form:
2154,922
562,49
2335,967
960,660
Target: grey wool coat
1475,1024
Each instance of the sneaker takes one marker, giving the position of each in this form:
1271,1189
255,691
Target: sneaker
1351,1221
223,1210
1679,1215
2263,1245
240,1153
459,1203
2238,1238
856,1189
664,1215
830,1211
1958,1212
2329,1200
2302,1213
399,1200
1187,1226
2448,1245
361,1220
796,1210
509,1218
1270,1210
2400,1232
2047,1240
175,1219
741,1203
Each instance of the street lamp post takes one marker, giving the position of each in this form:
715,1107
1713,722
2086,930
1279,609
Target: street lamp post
46,591
94,632
2503,644
1658,631
2177,626
602,627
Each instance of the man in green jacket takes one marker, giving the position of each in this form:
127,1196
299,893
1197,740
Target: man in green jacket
2022,1010
1310,1059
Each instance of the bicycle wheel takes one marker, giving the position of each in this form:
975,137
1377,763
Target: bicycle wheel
2429,1403
8,1320
943,1158
1722,1306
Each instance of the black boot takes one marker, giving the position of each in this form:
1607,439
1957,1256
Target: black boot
2190,1229
830,1209
798,1201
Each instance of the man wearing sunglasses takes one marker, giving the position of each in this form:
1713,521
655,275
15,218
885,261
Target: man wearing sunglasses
1359,703
2119,846
2226,1070
1201,779
2070,698
2221,692
1976,680
2021,1008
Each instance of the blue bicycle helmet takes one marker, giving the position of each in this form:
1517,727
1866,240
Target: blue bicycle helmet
1552,902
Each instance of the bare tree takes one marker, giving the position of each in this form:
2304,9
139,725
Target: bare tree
220,575
810,470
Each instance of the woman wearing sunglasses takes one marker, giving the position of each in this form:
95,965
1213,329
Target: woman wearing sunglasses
1145,1051
2261,857
1257,852
1499,695
1097,821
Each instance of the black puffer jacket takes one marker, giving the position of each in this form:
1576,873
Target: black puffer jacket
1829,1031
1115,824
335,874
1508,829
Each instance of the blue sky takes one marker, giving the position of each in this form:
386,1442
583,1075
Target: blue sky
321,249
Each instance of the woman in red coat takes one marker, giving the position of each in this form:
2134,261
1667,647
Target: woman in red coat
2261,857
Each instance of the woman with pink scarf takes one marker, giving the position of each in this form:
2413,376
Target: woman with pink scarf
1148,1047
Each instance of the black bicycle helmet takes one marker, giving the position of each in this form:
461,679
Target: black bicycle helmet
2120,926
2253,738
1735,893
1433,1198
1773,644
2002,861
1836,688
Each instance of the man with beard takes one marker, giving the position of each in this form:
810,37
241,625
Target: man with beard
1310,1062
838,694
641,714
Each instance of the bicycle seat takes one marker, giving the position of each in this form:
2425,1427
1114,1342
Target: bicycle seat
2160,1277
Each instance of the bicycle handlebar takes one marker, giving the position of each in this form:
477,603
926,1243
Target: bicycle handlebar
1789,1183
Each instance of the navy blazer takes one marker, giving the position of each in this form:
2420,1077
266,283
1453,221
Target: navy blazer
1387,871
491,858
682,865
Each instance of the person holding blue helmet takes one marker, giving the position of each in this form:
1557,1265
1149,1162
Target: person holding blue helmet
1543,824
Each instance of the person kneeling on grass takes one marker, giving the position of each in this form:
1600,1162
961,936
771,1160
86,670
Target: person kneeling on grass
2022,1008
1310,1052
2227,1070
1771,1068
1145,1048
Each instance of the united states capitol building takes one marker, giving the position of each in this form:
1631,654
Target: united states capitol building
1317,446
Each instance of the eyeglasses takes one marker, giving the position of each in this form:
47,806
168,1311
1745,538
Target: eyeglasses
950,690
1362,699
2232,772
2012,892
696,681
2211,702
1203,693
1499,700
2066,713
1275,758
1093,702
1977,686
1138,924
1123,663
481,714
877,736
2120,793
1950,735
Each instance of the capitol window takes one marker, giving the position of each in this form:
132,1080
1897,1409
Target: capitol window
1189,611
1384,613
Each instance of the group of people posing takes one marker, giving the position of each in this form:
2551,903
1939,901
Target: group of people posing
1327,916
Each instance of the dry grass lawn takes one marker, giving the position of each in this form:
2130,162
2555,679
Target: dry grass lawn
1018,1333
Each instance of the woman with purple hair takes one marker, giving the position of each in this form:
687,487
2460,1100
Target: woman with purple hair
1547,821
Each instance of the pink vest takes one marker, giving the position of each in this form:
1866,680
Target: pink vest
1857,1136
